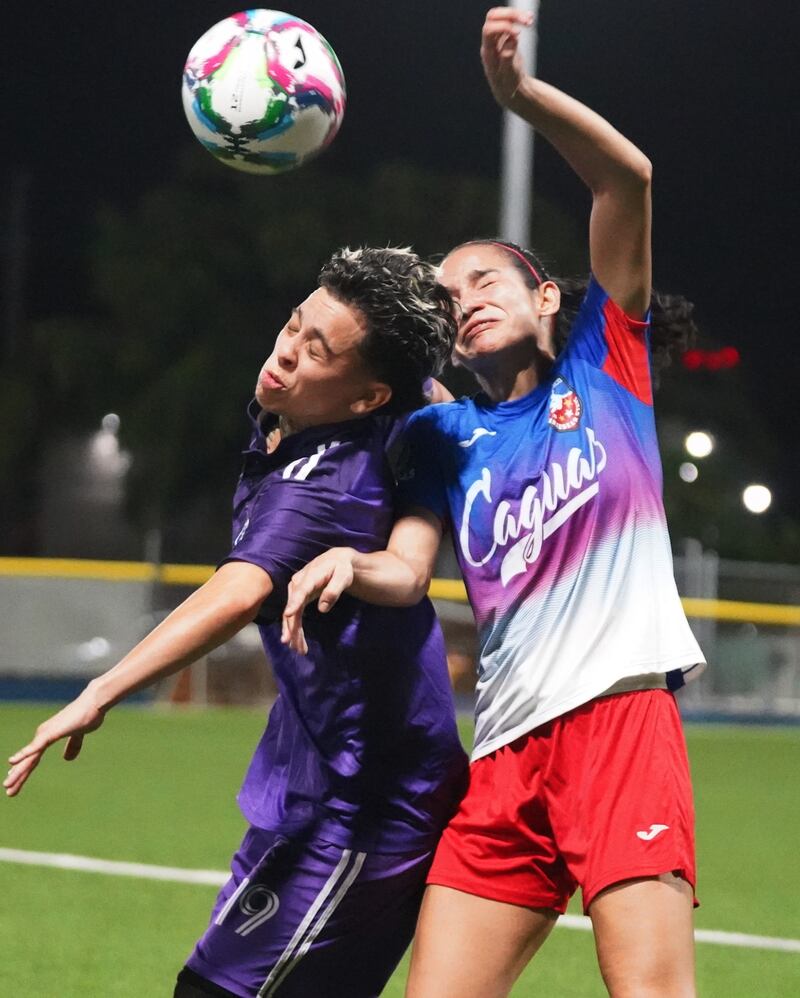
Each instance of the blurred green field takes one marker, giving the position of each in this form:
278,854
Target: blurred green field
158,787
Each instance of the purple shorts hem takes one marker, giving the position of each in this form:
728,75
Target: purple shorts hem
310,918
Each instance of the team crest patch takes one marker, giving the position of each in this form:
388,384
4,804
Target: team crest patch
565,406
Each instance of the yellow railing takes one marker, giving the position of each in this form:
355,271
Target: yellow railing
447,589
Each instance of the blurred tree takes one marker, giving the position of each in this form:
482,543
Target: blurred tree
191,285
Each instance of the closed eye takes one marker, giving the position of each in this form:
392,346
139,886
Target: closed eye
293,325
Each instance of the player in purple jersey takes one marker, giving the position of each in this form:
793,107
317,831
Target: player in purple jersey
550,482
360,765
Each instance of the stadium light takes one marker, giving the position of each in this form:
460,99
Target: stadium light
699,444
757,498
107,458
688,472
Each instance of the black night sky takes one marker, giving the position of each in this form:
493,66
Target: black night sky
707,89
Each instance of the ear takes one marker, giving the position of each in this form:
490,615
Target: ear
549,298
375,395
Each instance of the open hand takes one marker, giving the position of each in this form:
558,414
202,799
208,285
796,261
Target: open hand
326,577
72,722
502,62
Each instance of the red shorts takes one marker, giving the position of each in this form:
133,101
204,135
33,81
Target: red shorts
589,799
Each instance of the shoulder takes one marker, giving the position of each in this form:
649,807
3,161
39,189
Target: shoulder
593,302
598,305
604,336
440,416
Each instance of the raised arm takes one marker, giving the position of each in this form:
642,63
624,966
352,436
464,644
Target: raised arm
615,171
215,612
398,576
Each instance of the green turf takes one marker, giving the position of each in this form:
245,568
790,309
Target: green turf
159,788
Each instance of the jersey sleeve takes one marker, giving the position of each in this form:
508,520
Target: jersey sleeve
337,495
605,337
420,473
288,524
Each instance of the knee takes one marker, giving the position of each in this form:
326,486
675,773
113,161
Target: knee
653,980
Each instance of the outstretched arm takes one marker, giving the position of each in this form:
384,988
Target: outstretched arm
615,171
398,576
215,612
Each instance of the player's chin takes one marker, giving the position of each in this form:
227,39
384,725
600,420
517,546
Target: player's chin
267,398
470,355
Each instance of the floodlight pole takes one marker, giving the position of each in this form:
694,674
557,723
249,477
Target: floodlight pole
516,179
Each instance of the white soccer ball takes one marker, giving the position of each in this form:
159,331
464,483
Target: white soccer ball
263,91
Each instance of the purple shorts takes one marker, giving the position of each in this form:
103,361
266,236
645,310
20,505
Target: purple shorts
296,920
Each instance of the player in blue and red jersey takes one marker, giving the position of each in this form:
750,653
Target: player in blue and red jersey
550,482
360,766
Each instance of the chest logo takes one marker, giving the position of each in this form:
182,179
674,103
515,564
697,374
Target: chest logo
566,407
477,433
302,467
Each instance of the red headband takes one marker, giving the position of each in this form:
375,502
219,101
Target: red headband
524,259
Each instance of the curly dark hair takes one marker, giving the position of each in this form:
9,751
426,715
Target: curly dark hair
672,328
411,327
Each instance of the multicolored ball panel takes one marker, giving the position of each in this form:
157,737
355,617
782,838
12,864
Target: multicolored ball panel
263,91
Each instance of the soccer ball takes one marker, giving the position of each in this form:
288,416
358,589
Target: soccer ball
263,91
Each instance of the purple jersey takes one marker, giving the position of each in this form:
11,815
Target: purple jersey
361,748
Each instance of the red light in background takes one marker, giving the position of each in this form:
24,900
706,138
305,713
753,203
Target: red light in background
711,360
693,360
729,357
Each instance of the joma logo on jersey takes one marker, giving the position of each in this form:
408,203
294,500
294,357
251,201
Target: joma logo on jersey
543,508
565,406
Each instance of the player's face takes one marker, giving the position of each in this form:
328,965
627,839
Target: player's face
498,313
315,373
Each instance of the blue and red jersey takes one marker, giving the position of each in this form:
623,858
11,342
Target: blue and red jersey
555,505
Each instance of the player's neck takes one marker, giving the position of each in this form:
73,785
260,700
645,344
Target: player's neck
286,427
507,383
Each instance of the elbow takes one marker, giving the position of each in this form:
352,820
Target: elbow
420,584
630,179
633,174
409,585
642,171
